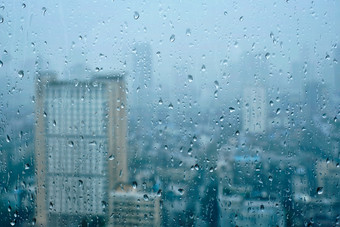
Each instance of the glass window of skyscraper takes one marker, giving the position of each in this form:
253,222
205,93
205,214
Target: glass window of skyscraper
170,113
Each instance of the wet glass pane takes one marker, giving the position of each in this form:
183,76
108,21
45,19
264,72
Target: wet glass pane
170,113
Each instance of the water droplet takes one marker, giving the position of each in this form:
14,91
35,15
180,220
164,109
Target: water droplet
1,63
80,183
160,101
278,111
44,10
216,84
111,157
270,178
1,20
327,56
146,197
319,190
231,109
181,191
237,133
271,103
190,151
171,106
172,38
134,185
21,73
23,5
262,207
8,139
267,55
136,15
225,13
27,166
203,68
190,78
211,169
93,143
241,18
197,167
13,223
51,205
221,118
188,32
70,143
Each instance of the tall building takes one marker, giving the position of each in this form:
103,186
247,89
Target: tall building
80,147
254,110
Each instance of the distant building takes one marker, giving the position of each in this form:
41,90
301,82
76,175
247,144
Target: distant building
80,147
254,109
131,208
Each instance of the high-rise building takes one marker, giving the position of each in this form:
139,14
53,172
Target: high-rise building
255,111
80,147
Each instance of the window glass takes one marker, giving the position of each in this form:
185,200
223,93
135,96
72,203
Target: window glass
169,113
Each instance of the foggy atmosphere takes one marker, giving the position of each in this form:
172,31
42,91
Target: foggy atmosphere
170,113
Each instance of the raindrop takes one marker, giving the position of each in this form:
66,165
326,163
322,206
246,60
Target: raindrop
231,109
134,185
111,157
211,170
8,139
221,118
271,103
27,166
70,143
190,78
270,178
172,38
203,68
80,183
160,102
181,191
188,32
237,133
51,205
225,13
13,223
159,193
54,123
327,56
21,73
319,190
197,167
262,207
267,55
23,5
146,197
171,106
1,63
278,111
241,18
136,15
44,10
216,84
93,143
1,20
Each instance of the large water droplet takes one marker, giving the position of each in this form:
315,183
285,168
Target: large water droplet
136,15
319,190
231,109
181,191
267,55
21,73
146,197
111,157
172,38
70,143
190,78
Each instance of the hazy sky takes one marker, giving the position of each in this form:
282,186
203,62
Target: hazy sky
211,33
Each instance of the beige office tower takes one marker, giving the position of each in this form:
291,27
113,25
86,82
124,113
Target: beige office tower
80,147
254,109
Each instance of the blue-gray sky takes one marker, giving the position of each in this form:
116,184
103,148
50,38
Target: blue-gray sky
102,34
